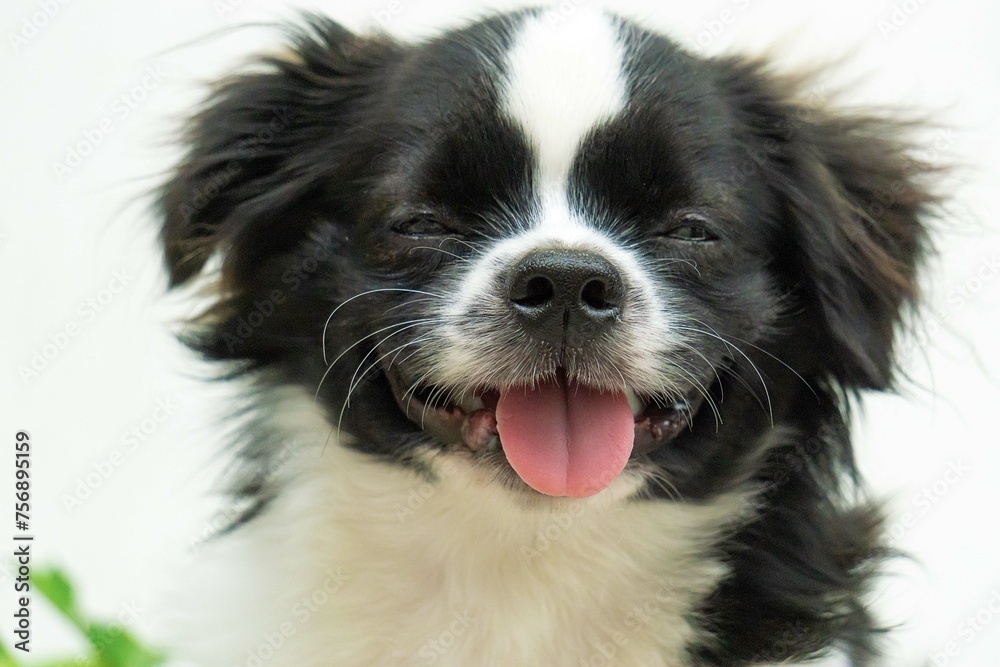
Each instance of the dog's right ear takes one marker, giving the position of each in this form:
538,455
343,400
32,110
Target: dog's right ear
240,188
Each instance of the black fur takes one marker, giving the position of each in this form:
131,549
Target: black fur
297,174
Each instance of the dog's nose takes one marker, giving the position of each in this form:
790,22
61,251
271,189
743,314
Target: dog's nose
565,295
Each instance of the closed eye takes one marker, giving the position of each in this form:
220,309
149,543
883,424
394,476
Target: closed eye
691,228
420,227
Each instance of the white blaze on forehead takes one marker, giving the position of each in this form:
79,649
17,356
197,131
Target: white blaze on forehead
564,77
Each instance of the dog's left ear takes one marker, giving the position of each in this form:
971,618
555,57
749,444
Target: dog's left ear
856,202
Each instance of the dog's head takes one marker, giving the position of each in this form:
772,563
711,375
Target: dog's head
561,248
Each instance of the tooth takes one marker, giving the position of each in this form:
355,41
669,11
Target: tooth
638,407
470,403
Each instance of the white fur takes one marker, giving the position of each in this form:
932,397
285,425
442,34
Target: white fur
563,80
562,83
362,563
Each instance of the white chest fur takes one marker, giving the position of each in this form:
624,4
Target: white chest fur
364,563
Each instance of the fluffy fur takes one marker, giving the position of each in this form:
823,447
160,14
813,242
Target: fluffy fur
366,200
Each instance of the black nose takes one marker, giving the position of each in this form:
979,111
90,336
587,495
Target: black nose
565,296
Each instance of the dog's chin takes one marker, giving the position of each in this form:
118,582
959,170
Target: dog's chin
466,422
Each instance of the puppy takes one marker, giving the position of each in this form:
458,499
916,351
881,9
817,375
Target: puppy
549,334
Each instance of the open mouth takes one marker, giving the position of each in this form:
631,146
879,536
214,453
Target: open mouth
560,437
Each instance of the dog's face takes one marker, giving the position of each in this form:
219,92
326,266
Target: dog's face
568,252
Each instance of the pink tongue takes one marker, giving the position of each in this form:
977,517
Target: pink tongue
565,440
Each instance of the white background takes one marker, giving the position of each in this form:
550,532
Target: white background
117,76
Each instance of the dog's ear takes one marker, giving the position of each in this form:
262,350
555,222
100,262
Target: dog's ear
250,162
858,204
856,201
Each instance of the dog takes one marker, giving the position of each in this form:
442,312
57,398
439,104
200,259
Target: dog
549,333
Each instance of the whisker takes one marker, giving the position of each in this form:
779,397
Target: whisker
440,250
418,339
403,305
412,391
715,371
733,346
674,260
326,325
753,391
358,342
429,404
472,246
660,479
397,350
780,361
701,389
356,379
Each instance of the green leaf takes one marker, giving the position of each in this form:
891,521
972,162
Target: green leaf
113,646
6,659
118,648
57,589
